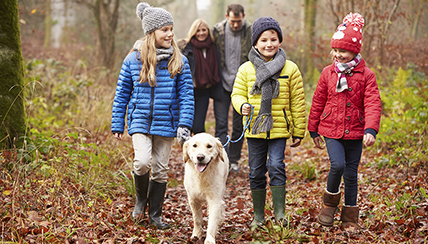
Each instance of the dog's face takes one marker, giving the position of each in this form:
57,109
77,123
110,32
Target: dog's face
201,150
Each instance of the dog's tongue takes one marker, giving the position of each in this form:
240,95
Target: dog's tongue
201,167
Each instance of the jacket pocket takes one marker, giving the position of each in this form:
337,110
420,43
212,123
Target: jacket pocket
360,116
131,111
326,113
131,114
286,120
172,116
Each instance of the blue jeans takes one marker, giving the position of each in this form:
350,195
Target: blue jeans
344,157
221,111
258,152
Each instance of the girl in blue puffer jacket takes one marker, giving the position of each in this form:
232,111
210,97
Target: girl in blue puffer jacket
155,92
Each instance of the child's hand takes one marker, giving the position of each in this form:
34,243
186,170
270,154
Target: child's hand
118,136
246,109
296,142
318,142
368,140
183,134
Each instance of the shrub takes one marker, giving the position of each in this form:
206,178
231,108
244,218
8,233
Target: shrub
404,125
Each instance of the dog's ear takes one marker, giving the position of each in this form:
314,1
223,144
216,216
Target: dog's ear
185,151
219,149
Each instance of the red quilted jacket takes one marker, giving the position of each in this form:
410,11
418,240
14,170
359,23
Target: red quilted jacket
346,115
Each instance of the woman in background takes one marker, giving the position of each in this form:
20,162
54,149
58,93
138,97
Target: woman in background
202,54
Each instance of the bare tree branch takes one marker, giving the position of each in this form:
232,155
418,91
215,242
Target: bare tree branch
388,22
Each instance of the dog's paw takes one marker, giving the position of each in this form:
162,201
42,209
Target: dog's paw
209,240
195,240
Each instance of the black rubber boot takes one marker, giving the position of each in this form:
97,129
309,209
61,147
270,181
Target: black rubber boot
156,198
141,183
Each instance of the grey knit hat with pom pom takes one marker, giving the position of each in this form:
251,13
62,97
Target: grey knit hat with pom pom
153,18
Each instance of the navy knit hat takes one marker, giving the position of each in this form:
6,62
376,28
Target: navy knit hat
262,24
153,18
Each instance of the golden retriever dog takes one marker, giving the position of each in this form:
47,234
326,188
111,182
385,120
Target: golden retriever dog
206,169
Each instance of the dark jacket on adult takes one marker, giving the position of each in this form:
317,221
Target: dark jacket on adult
219,33
213,90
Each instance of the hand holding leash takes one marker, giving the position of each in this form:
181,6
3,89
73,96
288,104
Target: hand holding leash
248,107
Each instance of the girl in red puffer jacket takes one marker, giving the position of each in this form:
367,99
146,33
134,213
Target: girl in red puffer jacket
346,111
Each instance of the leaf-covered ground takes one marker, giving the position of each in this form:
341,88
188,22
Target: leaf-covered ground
393,201
46,204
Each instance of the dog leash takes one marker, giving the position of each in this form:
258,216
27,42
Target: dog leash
247,124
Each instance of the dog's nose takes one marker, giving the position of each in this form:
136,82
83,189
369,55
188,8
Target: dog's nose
200,157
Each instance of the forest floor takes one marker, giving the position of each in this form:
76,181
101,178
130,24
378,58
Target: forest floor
393,205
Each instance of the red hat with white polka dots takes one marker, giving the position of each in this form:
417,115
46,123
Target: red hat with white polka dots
349,34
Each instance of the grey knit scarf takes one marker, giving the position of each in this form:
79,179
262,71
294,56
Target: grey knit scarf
161,53
267,84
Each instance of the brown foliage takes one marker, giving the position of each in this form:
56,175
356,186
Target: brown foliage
39,210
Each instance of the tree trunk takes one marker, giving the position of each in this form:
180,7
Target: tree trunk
219,12
106,18
12,113
385,30
415,16
310,9
106,15
48,24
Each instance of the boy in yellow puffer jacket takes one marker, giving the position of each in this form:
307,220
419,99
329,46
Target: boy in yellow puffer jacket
273,87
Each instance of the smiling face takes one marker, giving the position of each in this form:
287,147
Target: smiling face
202,33
343,56
268,44
163,36
202,149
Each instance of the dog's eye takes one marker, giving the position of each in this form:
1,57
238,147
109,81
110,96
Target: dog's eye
194,145
209,146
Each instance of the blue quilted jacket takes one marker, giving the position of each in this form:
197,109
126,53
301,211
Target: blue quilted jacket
150,110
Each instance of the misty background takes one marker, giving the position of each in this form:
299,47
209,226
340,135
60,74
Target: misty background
101,32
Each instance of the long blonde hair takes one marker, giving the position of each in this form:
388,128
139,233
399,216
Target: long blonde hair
148,60
194,28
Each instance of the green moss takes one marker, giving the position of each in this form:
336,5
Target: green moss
12,111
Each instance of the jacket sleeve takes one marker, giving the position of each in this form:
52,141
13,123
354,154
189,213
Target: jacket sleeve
297,103
122,96
318,102
372,102
239,94
185,96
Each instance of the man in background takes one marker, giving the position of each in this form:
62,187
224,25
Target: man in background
233,41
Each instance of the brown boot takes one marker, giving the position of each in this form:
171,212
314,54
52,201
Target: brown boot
330,202
349,217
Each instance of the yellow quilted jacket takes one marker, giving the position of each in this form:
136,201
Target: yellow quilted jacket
288,109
